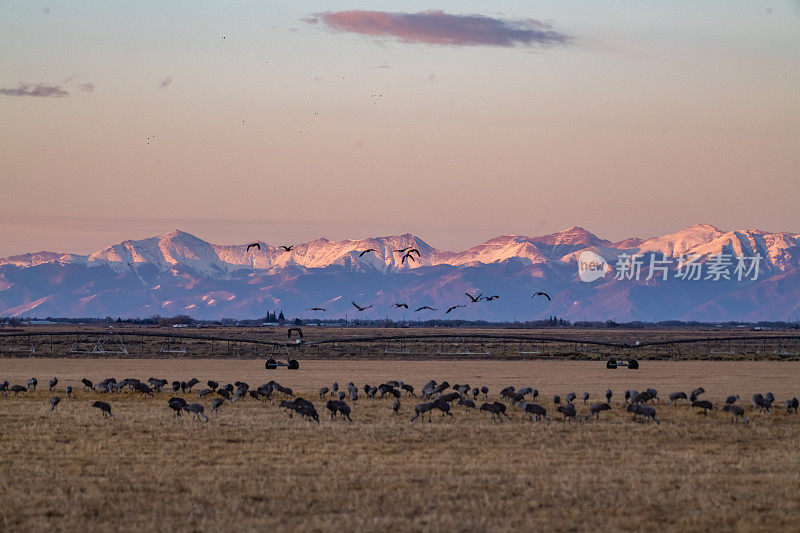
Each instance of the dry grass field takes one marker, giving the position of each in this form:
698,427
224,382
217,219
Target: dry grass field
251,466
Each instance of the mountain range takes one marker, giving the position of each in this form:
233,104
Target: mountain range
179,273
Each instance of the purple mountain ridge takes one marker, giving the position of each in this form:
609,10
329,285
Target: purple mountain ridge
178,273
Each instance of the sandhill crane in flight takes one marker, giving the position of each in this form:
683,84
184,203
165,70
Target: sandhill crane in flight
287,248
474,299
453,308
253,245
359,307
360,254
398,305
316,309
540,293
490,298
407,256
424,307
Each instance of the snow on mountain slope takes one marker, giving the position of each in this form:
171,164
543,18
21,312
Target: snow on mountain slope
32,259
675,244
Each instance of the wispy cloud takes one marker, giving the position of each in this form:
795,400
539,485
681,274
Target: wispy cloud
166,82
437,27
87,87
40,89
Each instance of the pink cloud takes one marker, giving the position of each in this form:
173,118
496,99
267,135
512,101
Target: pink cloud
437,27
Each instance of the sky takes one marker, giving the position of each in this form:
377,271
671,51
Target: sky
454,120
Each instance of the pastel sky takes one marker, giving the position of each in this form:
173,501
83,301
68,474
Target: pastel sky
455,120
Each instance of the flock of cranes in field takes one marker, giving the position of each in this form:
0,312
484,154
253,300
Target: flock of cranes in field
436,397
406,254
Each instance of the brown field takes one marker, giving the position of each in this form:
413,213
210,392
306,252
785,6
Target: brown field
251,466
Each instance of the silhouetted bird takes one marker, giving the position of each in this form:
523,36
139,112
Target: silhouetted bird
490,298
453,308
474,299
397,305
407,256
540,293
366,251
316,309
254,245
360,308
287,248
424,307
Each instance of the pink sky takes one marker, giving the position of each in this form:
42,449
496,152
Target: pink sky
639,122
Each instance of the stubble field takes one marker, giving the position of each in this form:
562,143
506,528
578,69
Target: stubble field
252,466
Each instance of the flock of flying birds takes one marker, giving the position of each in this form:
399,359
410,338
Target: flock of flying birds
406,254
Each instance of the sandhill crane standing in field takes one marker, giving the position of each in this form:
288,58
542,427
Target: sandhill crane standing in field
53,402
323,391
760,402
644,412
197,409
497,409
736,411
732,399
423,408
4,388
87,384
568,410
216,403
791,405
695,393
675,396
32,384
585,397
557,399
52,384
570,397
68,390
469,404
485,391
16,389
396,406
609,394
104,408
598,408
177,405
536,411
705,405
213,385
